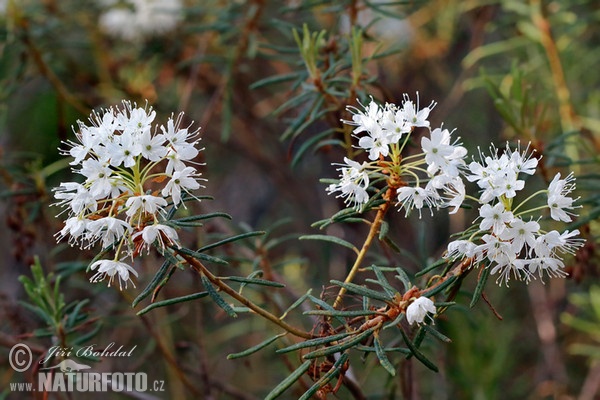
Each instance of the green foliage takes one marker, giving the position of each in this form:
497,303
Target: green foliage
70,323
270,83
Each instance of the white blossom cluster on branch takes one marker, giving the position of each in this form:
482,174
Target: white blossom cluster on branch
131,170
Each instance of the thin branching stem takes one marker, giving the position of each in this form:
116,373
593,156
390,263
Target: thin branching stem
367,244
201,269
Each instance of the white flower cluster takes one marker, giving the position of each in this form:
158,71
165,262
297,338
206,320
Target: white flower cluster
135,19
131,172
383,133
509,243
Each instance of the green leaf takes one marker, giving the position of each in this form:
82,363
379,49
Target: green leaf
255,348
73,315
199,256
308,144
314,342
253,281
295,304
274,79
201,217
346,344
382,281
332,239
156,280
437,289
175,300
431,267
403,277
418,355
325,306
217,297
230,239
437,334
341,313
363,291
289,381
480,286
383,359
85,338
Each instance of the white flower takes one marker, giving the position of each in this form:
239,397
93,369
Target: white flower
437,149
411,113
152,147
522,162
75,227
558,205
417,197
148,203
459,249
353,183
123,150
152,233
419,309
185,179
111,268
98,177
495,217
109,229
507,184
520,232
376,143
368,121
558,200
393,124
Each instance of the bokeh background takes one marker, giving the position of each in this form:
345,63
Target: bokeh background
503,70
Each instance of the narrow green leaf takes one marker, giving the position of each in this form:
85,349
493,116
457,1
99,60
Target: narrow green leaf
383,230
383,359
371,349
73,315
217,297
255,348
382,281
289,381
437,334
85,338
175,300
480,286
346,344
332,373
363,291
202,217
308,144
332,239
230,239
403,277
418,355
325,306
431,267
437,289
158,277
253,281
314,342
341,313
199,256
295,304
274,79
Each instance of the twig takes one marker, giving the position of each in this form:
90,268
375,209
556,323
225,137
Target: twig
201,269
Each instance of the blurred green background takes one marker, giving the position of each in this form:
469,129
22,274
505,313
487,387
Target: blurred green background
499,70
